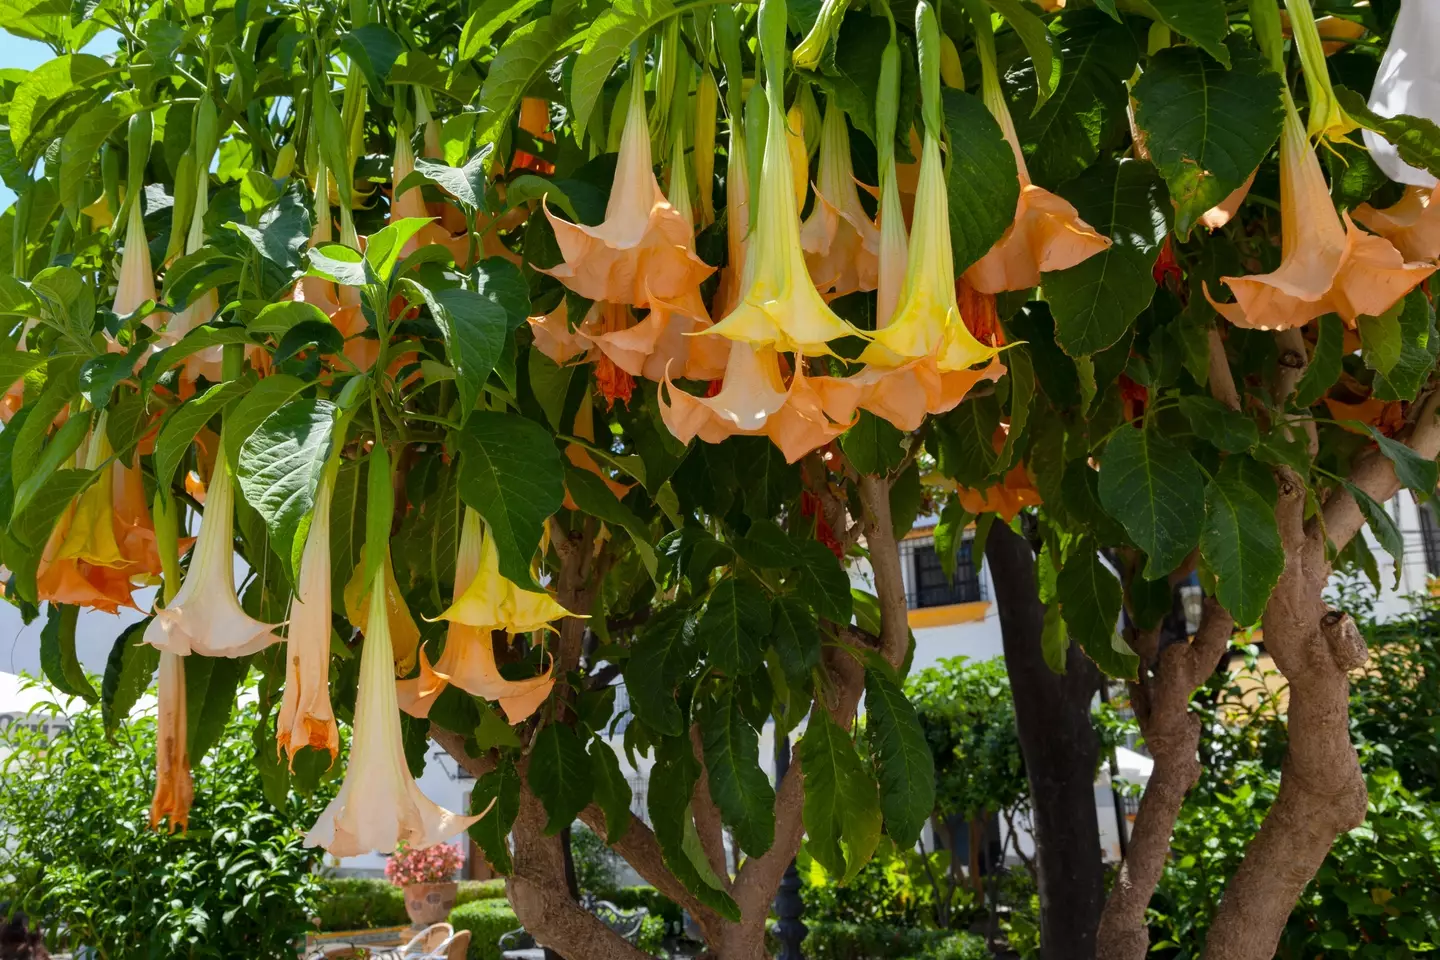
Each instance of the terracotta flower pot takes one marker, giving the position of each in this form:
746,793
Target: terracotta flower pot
428,903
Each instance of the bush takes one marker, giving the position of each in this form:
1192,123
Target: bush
487,920
659,905
829,940
957,946
82,856
652,935
363,903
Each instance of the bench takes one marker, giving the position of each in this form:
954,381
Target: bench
519,945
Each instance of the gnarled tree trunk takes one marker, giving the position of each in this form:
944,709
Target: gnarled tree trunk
1061,751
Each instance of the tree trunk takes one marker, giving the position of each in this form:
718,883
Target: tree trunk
1061,753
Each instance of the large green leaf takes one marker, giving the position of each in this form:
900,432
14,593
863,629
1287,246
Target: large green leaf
53,95
57,653
492,831
1382,525
279,471
734,626
560,775
1419,346
1207,128
664,653
374,48
980,179
31,526
1039,44
1416,139
211,687
1227,429
1416,472
511,474
1096,301
1326,362
672,783
796,636
521,60
81,142
872,445
842,802
621,24
1203,21
903,763
612,790
181,426
1154,488
255,407
1090,598
738,785
594,497
128,669
1062,137
490,16
1241,541
474,327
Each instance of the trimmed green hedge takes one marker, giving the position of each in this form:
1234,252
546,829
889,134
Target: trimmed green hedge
363,903
487,921
854,941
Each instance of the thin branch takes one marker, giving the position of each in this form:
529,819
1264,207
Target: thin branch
707,815
885,562
1222,381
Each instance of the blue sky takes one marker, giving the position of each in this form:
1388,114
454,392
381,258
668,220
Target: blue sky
29,54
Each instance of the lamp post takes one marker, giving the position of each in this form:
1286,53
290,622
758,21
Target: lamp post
789,929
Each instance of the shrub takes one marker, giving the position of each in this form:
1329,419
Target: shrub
436,864
487,920
652,935
238,884
360,903
595,862
472,890
659,905
957,946
868,941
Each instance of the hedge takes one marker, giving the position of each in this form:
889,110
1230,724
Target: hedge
853,941
364,903
487,921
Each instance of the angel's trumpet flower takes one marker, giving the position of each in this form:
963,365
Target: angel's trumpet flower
754,401
137,278
1327,118
1409,83
1329,264
1413,224
205,617
737,218
842,246
1047,233
643,246
174,791
491,601
134,527
469,657
205,362
306,718
379,805
780,306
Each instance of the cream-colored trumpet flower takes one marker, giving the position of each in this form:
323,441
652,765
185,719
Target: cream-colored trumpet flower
737,222
754,401
204,362
137,277
174,790
1329,265
379,804
780,307
1047,233
306,717
842,246
491,601
643,246
1408,82
205,617
468,660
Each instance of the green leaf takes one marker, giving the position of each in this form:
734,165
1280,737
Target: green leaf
475,328
1096,301
842,802
734,625
181,426
211,687
57,653
201,338
492,831
1416,139
59,450
466,184
664,653
1039,44
796,636
672,783
1022,398
522,59
873,445
80,145
100,375
1380,338
621,24
1154,488
32,525
981,181
823,582
383,247
277,319
251,410
560,775
511,474
592,496
1382,525
338,263
738,785
282,232
1062,137
1419,346
1326,362
1207,128
279,470
1203,21
50,99
1054,641
14,364
1229,430
903,763
490,16
1414,471
491,731
1090,597
128,670
612,790
374,48
1241,540
347,526
965,442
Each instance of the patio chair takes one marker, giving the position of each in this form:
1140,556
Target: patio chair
519,945
437,942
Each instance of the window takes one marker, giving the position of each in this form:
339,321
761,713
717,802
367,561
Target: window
1430,538
925,582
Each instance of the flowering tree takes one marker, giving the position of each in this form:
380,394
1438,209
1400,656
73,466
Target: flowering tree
389,301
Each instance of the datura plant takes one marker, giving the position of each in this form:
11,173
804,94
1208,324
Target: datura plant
456,366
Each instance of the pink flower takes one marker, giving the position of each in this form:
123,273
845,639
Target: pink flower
437,864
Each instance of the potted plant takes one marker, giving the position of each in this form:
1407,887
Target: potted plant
428,878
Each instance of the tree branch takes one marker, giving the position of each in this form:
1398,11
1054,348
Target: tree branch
885,562
1222,381
707,815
